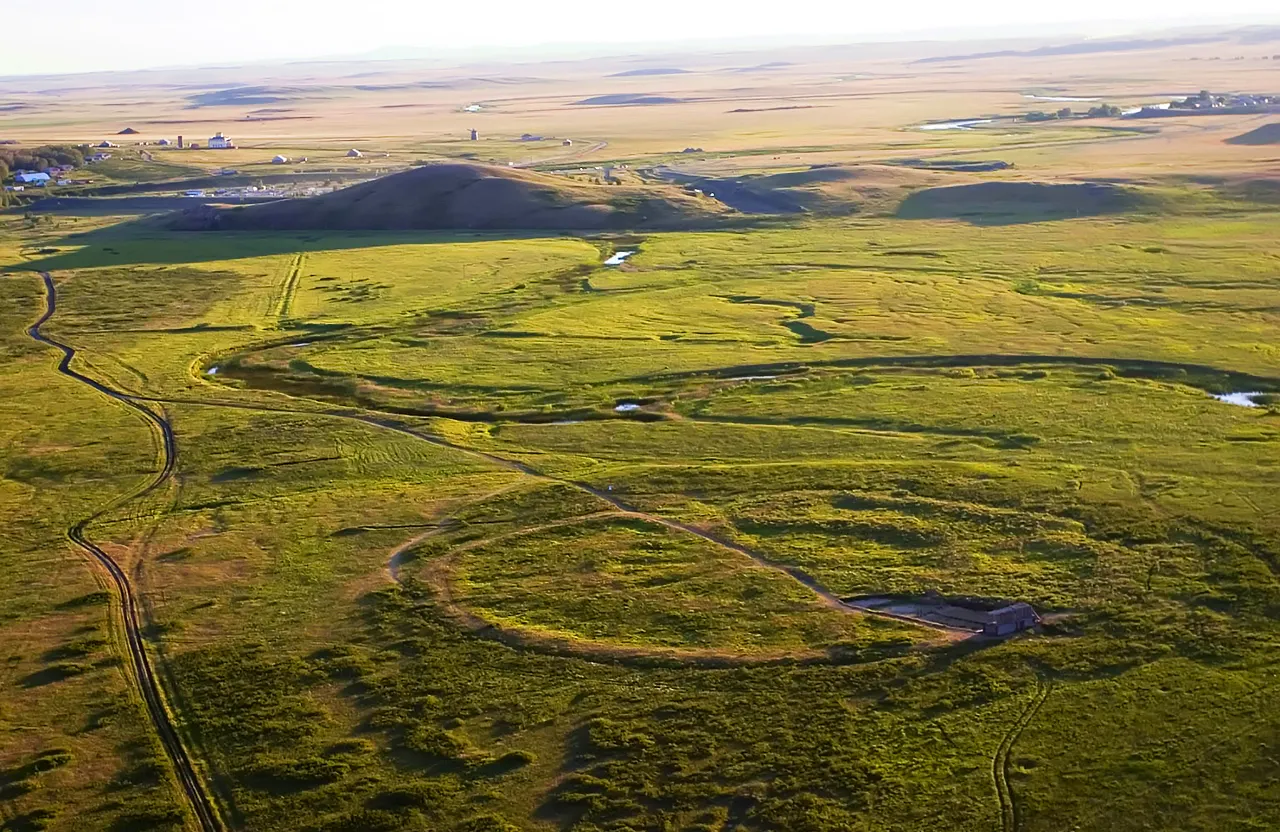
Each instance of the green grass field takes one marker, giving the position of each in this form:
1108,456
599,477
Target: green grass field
415,568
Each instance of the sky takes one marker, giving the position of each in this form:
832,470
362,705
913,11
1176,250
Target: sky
89,35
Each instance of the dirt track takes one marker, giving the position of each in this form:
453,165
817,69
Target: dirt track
827,597
139,661
1010,820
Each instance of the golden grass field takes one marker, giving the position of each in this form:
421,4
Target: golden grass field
841,104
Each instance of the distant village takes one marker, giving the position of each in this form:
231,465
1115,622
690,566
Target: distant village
1209,103
44,166
54,165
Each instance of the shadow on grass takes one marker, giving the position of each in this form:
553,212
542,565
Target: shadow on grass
33,821
146,241
54,673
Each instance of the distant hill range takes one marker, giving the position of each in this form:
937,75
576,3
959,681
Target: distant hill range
657,70
465,196
1266,134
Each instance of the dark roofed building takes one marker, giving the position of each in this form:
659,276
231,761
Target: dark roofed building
1011,619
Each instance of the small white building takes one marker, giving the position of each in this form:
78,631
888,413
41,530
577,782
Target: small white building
25,178
280,160
354,154
220,142
163,142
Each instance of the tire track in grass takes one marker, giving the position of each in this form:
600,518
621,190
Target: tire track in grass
285,307
826,596
143,672
1010,816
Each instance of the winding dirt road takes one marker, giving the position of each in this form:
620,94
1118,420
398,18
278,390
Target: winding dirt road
144,673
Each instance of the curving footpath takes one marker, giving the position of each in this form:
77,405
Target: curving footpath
143,671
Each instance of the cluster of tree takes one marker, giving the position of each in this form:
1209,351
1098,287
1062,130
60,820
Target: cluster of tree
38,158
1100,111
1040,115
1105,111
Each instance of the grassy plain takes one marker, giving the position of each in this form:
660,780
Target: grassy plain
1115,495
415,568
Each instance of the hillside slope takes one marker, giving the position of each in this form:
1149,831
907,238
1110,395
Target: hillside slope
464,196
1000,203
1266,134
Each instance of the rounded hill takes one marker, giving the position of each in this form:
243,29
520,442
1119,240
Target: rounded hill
1266,134
465,196
999,203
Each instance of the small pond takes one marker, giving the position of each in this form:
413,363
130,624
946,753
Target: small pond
616,260
1240,399
967,124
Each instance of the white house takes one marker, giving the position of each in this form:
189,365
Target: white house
354,154
220,142
25,178
280,160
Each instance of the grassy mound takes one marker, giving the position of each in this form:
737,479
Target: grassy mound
1002,203
821,189
1266,134
457,196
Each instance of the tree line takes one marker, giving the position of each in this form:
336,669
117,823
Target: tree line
1101,111
39,158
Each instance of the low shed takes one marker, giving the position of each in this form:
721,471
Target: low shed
1014,618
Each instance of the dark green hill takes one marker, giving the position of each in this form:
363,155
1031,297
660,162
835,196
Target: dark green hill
1266,134
1001,203
463,196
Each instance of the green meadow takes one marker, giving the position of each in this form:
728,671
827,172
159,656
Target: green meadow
472,532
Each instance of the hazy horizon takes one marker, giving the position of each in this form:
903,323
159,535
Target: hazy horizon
188,35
